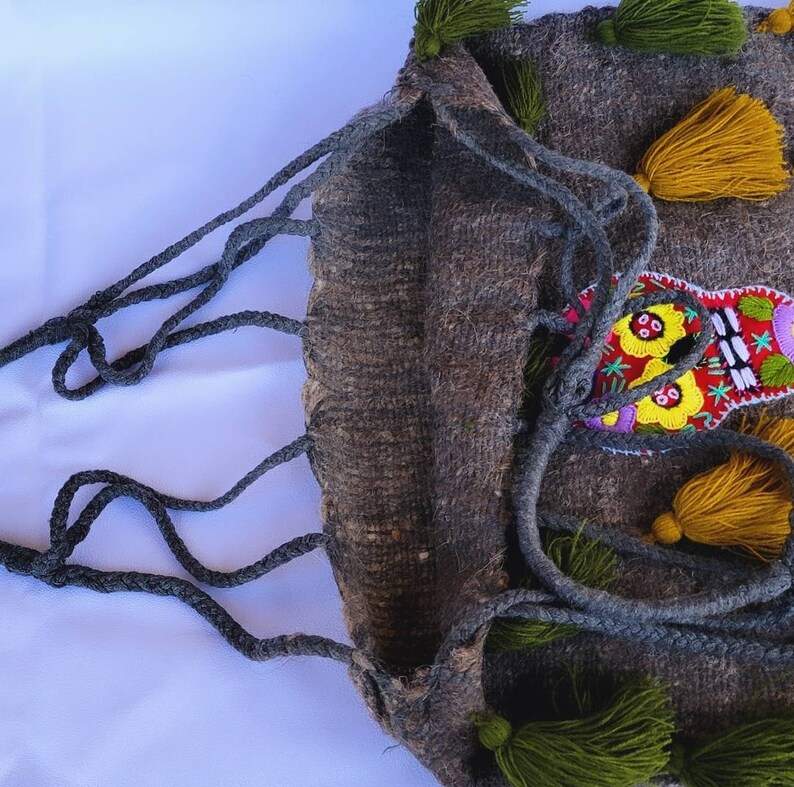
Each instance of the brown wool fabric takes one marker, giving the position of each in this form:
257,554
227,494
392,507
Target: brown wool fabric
367,394
426,274
481,287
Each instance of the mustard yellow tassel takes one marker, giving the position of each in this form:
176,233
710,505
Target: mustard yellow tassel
779,22
744,503
730,145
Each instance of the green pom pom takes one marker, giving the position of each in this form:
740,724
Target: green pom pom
758,754
606,33
709,28
623,745
443,22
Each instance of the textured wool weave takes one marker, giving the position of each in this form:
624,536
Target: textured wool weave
428,272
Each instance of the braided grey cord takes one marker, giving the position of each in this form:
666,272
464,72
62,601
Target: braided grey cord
79,329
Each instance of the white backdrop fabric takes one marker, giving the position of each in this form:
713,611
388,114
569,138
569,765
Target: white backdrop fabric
124,125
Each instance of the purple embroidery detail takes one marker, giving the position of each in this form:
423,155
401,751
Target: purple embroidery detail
783,323
625,423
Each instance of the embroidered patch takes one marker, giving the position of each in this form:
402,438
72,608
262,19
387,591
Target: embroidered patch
749,360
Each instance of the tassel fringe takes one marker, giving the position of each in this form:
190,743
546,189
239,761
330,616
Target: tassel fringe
708,28
440,23
779,22
744,503
730,145
585,560
538,365
621,746
524,93
758,754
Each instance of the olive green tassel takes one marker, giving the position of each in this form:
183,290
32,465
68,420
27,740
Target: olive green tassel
584,560
524,93
511,634
621,746
538,365
757,754
443,22
710,28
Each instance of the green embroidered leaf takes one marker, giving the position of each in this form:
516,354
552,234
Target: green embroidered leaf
650,429
777,371
756,307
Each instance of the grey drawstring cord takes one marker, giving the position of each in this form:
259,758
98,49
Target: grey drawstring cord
79,329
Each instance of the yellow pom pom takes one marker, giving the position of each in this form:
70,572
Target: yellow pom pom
744,503
730,145
779,22
667,529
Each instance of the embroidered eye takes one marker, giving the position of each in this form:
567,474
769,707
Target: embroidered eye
647,326
668,397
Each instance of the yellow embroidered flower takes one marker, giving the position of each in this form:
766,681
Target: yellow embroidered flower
652,331
610,419
673,404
